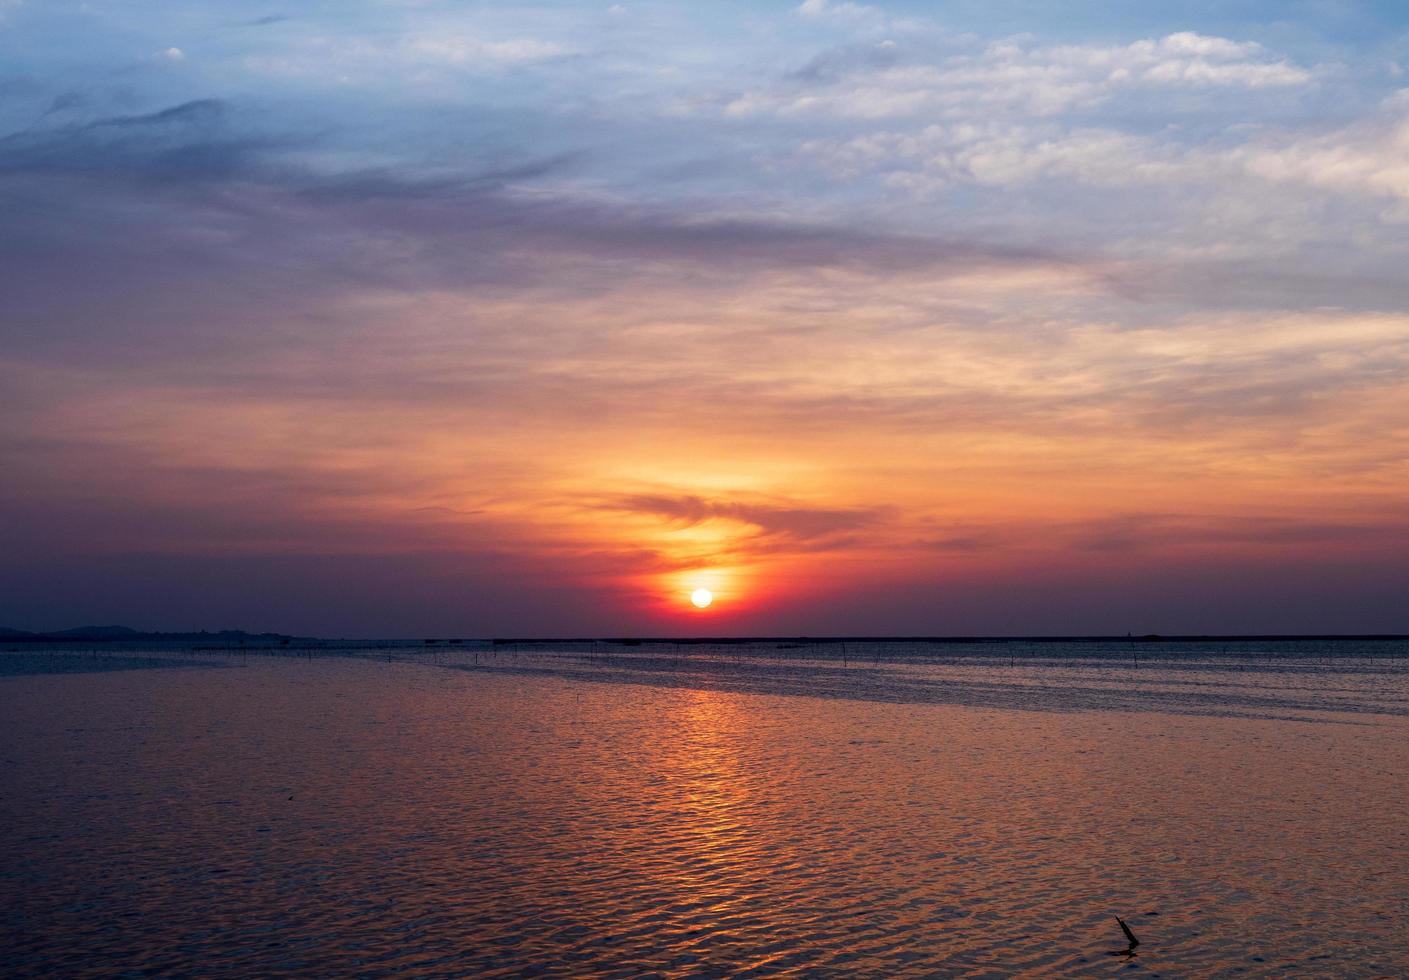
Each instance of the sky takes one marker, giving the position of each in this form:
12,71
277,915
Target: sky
407,317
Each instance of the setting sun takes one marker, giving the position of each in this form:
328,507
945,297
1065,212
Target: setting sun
701,598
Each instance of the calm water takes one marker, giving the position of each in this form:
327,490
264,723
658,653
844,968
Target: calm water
604,810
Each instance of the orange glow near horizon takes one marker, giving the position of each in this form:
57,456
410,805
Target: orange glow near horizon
814,491
703,591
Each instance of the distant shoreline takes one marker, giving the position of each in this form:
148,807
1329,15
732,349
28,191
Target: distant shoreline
1144,638
111,635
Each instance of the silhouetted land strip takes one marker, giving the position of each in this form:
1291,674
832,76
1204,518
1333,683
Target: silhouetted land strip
966,640
124,634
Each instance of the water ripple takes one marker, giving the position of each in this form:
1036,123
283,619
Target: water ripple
705,814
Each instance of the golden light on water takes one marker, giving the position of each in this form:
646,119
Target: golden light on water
701,598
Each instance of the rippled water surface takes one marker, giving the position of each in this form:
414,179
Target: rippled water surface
600,809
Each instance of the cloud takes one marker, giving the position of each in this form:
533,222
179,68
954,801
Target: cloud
836,63
1018,76
858,18
1149,533
198,193
1002,154
836,8
190,140
791,522
1145,532
466,50
1363,158
425,59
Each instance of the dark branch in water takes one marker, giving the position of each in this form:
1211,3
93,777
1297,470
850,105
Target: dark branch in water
1130,938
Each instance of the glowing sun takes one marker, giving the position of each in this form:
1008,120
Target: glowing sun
701,598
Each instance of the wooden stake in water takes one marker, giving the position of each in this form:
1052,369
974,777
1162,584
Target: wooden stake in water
1130,936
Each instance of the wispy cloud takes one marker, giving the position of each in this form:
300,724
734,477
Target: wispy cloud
798,523
1018,76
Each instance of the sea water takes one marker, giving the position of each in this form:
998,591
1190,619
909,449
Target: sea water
601,809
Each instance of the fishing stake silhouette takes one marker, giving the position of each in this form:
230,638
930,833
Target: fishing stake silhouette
1130,937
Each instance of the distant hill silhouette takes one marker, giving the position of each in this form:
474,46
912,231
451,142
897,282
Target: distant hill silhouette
99,634
96,632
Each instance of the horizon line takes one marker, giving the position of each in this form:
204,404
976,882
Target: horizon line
76,634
